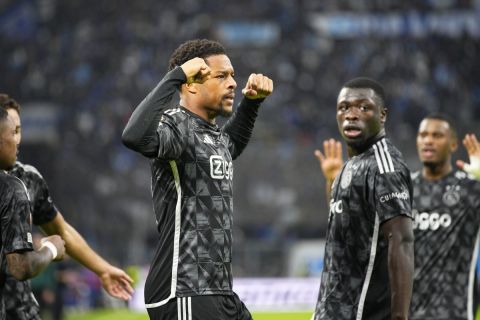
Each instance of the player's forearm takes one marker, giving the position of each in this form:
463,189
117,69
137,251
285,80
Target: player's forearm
401,265
77,248
26,265
240,126
75,245
140,132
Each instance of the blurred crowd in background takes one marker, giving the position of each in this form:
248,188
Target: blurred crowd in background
79,67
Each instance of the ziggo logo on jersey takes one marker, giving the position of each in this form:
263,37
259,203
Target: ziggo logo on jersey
220,169
432,221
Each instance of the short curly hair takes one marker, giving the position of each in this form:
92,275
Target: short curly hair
202,48
7,102
367,83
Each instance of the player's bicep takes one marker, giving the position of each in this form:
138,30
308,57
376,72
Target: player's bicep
399,228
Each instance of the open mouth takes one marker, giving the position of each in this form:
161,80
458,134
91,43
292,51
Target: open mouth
352,131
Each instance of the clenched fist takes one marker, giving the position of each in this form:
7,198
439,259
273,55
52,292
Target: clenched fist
258,87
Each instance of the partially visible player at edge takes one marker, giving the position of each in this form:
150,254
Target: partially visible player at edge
446,206
17,253
368,266
192,170
19,300
447,225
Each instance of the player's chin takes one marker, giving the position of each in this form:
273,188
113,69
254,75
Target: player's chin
226,110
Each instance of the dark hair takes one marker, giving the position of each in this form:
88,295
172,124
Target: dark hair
8,103
445,118
202,48
3,115
363,82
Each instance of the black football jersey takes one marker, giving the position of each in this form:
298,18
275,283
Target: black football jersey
372,188
192,171
20,302
15,226
446,226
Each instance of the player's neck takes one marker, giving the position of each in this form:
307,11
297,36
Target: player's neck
356,149
203,113
434,172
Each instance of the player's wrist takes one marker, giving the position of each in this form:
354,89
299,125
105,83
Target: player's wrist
51,247
473,167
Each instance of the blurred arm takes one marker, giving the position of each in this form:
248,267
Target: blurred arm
399,233
331,162
115,281
473,148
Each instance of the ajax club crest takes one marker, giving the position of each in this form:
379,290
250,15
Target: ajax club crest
451,196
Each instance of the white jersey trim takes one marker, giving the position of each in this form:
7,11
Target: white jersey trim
383,157
471,278
176,241
184,308
389,157
371,262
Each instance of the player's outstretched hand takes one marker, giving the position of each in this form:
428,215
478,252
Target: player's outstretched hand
196,70
331,160
117,283
58,243
473,148
258,87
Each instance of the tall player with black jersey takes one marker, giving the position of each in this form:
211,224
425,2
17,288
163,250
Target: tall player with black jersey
368,266
192,171
16,247
447,226
19,300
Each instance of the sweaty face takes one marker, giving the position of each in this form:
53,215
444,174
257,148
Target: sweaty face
8,144
359,118
16,120
218,92
435,142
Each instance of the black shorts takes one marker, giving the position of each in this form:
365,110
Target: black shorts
214,307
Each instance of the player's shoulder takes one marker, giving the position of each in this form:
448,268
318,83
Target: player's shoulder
21,170
386,158
175,116
9,183
174,113
466,179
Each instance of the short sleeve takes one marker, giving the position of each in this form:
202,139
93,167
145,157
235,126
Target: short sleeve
16,228
172,134
44,210
392,195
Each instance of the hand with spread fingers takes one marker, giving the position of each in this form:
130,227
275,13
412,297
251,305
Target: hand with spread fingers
117,283
331,160
473,148
258,87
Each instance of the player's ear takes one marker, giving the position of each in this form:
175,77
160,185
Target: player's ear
453,143
383,114
190,87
